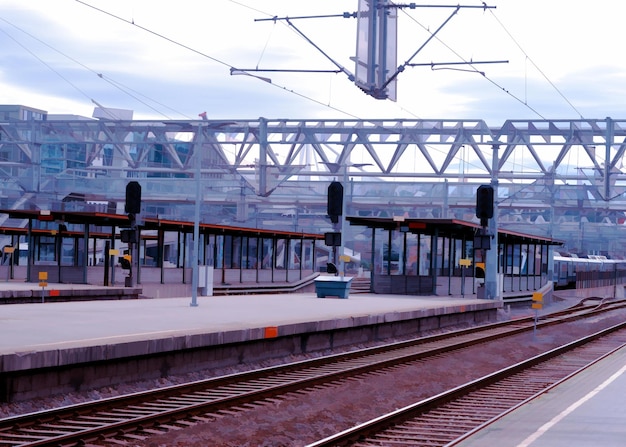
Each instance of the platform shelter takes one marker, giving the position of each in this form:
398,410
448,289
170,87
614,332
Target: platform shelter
412,256
86,247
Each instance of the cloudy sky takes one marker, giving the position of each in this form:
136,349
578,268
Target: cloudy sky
172,60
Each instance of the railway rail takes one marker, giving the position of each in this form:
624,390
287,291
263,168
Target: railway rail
445,419
140,415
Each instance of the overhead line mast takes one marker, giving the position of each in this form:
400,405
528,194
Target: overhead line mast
376,69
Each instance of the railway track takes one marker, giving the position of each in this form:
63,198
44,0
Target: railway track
448,417
141,415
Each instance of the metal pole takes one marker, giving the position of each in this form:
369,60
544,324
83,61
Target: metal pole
196,221
342,223
607,158
492,289
111,258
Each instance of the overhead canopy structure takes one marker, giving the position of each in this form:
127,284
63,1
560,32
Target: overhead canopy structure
571,185
149,223
448,228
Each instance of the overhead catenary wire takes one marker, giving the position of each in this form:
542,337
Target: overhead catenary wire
78,89
528,58
297,33
496,84
175,42
267,41
136,95
120,86
127,89
123,88
219,61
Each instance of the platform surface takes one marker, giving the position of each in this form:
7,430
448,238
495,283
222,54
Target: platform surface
587,410
42,326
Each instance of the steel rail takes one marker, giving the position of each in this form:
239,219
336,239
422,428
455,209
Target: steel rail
446,417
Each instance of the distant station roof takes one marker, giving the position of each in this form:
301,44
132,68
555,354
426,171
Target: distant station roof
122,221
454,228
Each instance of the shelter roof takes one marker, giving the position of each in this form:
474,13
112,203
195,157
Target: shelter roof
122,221
454,228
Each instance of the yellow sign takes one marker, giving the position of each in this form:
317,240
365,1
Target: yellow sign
344,258
43,279
537,306
538,297
465,262
9,249
114,252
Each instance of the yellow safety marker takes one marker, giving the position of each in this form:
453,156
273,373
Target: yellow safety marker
8,250
43,283
114,252
344,258
537,300
43,279
537,305
464,263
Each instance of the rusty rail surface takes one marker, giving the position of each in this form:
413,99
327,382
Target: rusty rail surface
443,419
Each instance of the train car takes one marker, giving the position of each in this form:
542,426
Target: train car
566,267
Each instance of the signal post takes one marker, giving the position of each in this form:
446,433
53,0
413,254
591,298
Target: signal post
132,207
487,240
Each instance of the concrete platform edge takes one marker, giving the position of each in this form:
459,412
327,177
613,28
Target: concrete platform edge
73,366
63,356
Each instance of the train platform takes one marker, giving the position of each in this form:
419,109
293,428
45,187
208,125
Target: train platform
54,347
585,411
57,347
44,326
20,292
